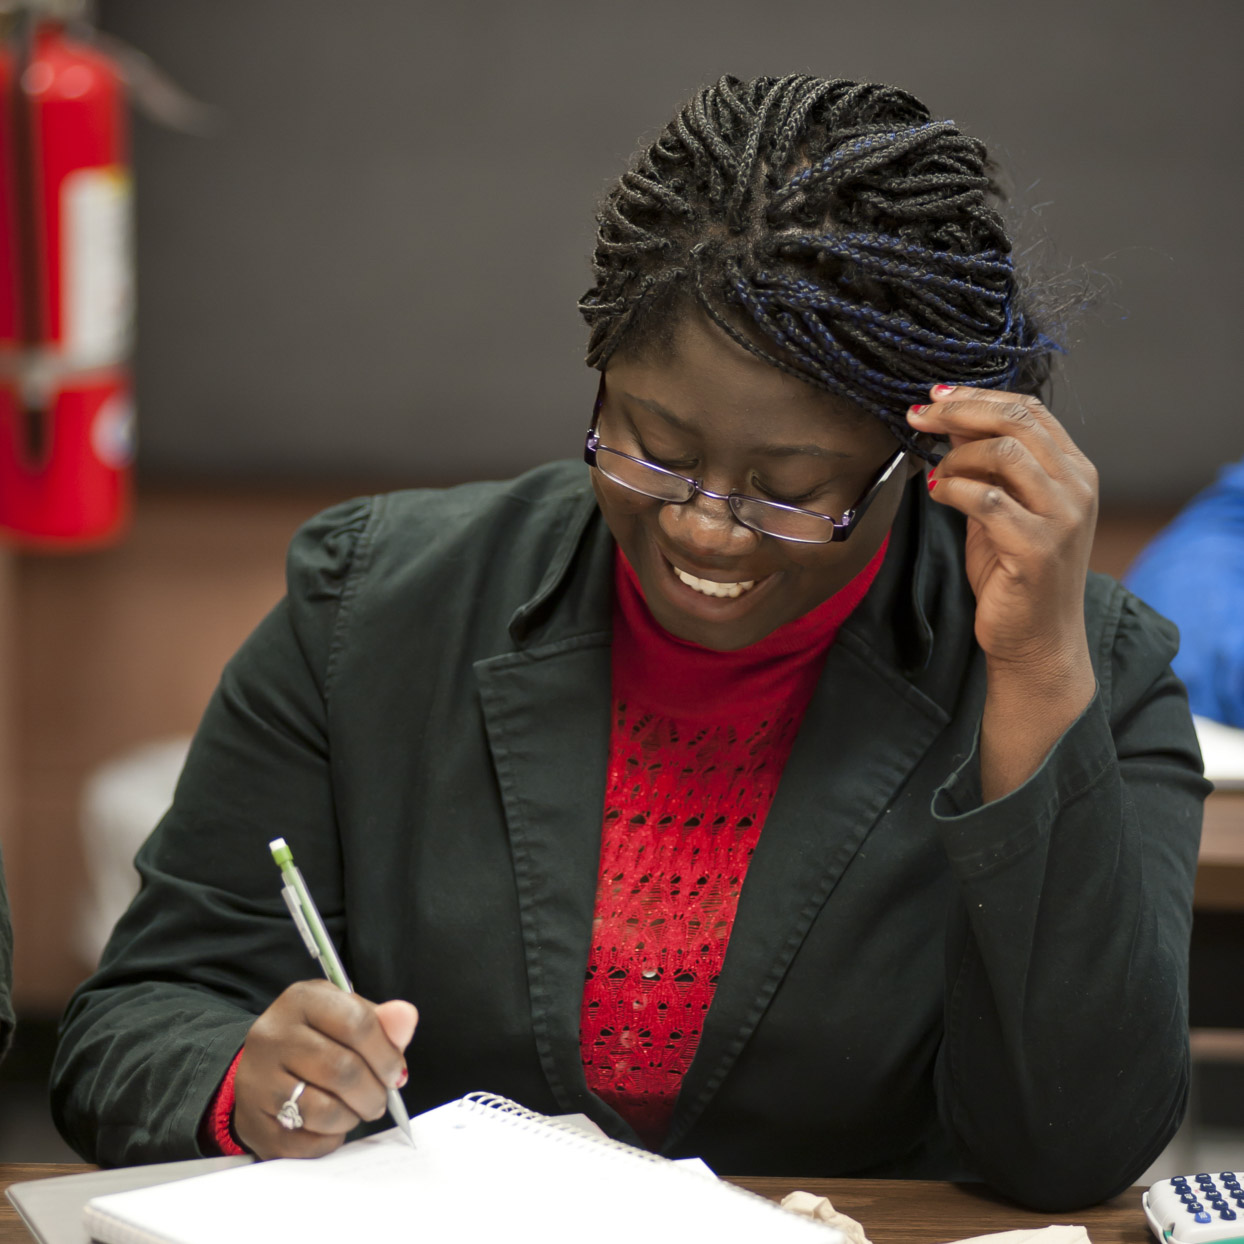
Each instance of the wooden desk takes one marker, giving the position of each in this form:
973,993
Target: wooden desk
1220,872
892,1211
895,1211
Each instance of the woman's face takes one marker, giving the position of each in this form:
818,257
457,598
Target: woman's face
714,412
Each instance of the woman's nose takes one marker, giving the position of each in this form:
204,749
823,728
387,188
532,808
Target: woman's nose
706,528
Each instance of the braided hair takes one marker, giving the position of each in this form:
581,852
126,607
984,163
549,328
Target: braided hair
831,228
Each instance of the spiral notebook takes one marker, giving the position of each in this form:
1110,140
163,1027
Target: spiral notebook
483,1169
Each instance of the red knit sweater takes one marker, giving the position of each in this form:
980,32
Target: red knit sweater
698,744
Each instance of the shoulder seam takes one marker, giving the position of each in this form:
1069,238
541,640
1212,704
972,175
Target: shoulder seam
359,555
1111,619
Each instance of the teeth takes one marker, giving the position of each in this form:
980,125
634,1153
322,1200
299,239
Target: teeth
709,588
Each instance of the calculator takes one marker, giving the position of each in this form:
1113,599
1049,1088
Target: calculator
1197,1209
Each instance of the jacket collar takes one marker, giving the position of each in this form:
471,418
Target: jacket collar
578,578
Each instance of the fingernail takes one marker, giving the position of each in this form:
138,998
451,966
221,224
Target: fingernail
917,410
403,1076
944,388
932,481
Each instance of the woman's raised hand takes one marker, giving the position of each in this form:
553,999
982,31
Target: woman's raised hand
347,1051
1030,497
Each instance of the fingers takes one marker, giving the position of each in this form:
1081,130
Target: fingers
1030,497
322,1112
1009,456
336,1070
352,1045
325,1120
966,414
398,1019
1019,497
339,1046
1003,465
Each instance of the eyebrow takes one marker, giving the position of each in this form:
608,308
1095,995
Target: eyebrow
769,451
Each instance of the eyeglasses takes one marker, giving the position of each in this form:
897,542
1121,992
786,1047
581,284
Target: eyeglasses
770,518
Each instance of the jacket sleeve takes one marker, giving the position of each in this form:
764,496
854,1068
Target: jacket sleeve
208,943
1064,1067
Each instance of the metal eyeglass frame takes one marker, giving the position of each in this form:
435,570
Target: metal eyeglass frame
839,528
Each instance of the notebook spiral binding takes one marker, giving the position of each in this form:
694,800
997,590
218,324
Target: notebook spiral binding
567,1133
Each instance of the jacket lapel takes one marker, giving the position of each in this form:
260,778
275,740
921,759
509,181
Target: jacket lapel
546,711
547,716
837,783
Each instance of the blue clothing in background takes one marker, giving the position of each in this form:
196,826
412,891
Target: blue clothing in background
1193,572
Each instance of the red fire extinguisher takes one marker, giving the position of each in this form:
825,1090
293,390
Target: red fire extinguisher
66,287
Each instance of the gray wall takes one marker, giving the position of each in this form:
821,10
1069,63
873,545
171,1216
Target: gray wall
370,273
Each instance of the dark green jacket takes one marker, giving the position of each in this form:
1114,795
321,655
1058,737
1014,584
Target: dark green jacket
916,985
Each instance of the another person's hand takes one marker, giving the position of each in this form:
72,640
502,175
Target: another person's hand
1030,497
347,1050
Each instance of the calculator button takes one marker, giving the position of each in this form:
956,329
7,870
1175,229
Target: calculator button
1227,1174
1218,1203
1224,1212
1194,1207
1202,1216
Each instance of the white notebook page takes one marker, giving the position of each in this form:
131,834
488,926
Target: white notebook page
477,1173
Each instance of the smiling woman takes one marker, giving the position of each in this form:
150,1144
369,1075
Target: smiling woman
740,791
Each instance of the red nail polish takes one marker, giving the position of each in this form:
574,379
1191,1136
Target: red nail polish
944,388
916,410
932,481
401,1080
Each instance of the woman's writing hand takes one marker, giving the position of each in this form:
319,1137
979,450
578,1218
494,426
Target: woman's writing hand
346,1049
1030,497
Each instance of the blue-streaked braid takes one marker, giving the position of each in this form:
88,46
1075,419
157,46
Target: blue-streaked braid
831,228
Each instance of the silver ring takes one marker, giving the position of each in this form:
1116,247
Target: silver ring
289,1116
